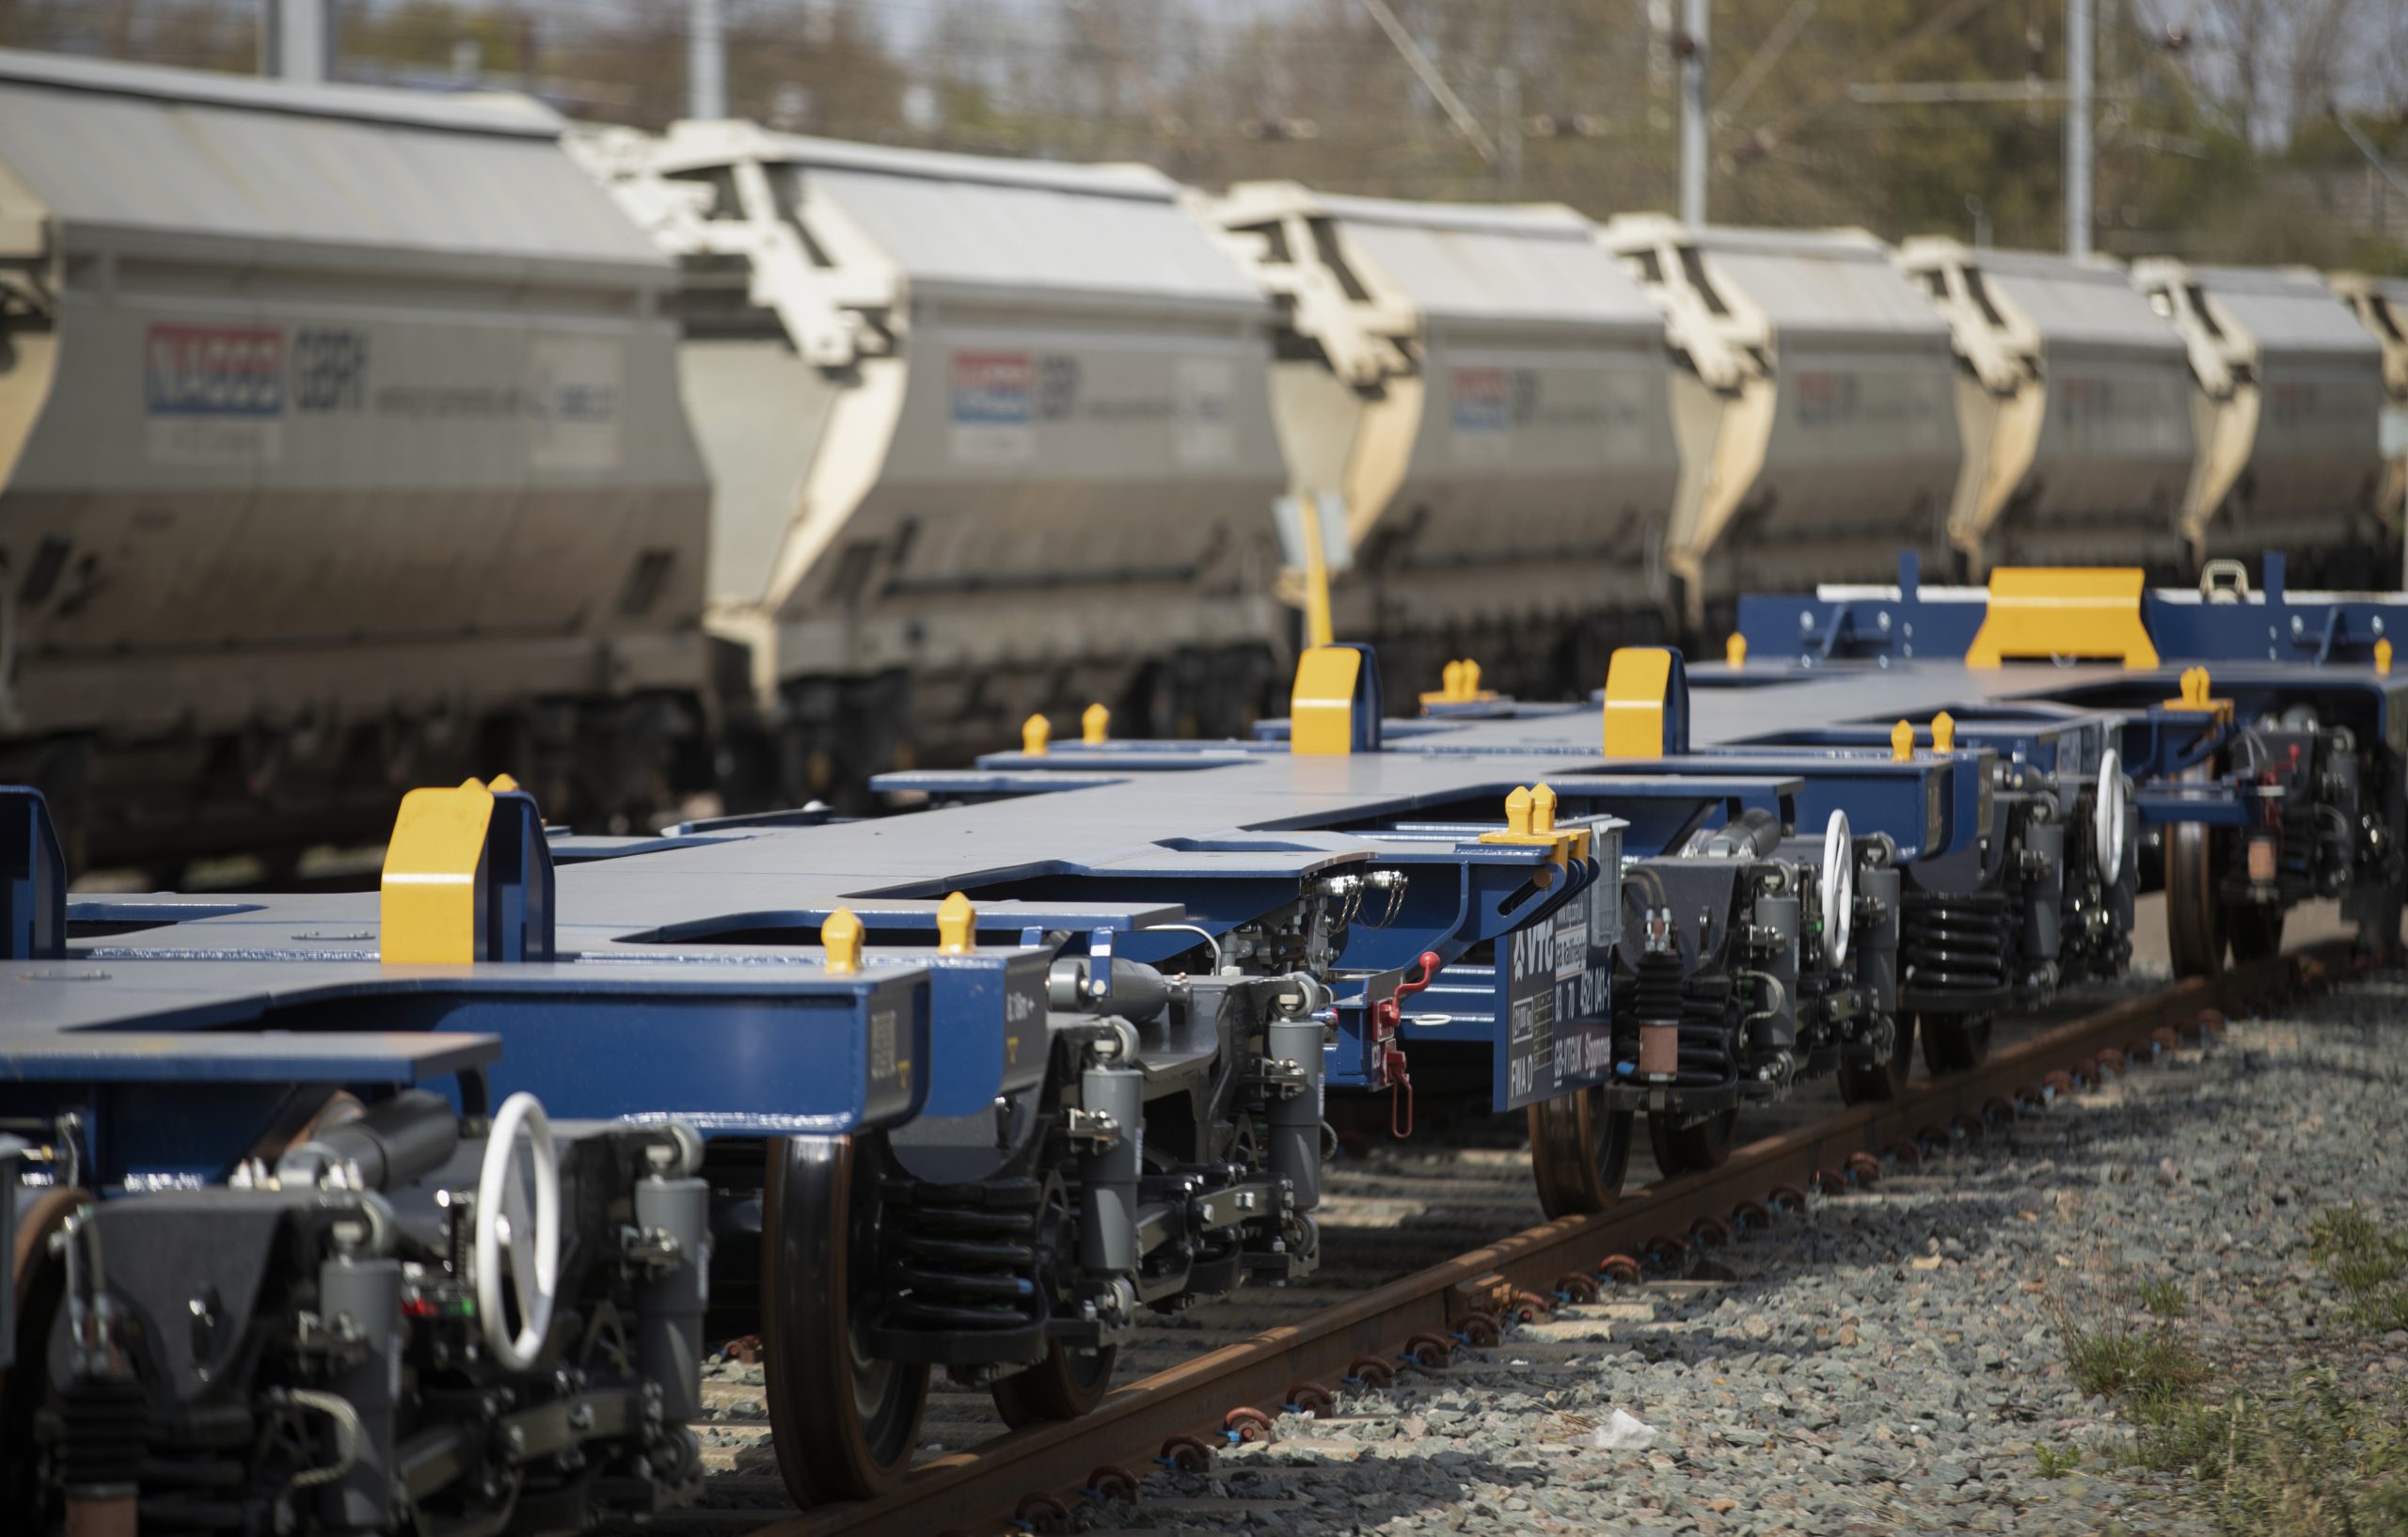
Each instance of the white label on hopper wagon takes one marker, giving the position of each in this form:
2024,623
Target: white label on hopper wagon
993,407
573,403
1204,411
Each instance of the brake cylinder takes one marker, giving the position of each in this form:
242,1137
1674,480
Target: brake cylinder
1294,1110
668,1327
1108,1172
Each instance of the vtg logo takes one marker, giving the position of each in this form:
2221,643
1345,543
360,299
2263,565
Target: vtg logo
214,370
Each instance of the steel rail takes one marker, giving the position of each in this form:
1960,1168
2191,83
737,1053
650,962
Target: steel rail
983,1487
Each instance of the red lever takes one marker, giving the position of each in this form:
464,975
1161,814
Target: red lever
1387,1015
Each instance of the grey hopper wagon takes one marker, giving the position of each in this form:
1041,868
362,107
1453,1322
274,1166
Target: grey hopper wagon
2381,305
2288,399
1811,397
340,449
988,437
2074,403
1485,393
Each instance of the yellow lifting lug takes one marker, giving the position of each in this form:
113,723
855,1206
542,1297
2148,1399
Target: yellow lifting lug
1530,823
1033,734
1902,742
2382,658
957,926
2198,696
1943,732
1459,684
1735,650
1095,725
427,901
2056,611
1639,682
840,936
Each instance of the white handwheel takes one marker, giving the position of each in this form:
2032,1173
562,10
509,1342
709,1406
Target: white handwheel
501,1213
1839,888
2108,812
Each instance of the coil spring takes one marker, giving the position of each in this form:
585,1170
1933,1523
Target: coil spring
1708,1039
1656,999
2302,829
966,1267
1954,942
107,1421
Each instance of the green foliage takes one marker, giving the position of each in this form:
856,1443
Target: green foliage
2137,1367
2315,1454
2367,1260
2164,1297
2054,1461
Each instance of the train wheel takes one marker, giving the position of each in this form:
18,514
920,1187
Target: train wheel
2255,931
40,1279
1694,1148
844,1423
1579,1153
1064,1385
1869,1083
1955,1042
2194,921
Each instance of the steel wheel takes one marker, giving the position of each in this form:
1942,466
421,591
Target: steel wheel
1068,1383
1693,1147
1579,1153
843,1423
1064,1385
1955,1042
39,1280
1867,1083
2194,922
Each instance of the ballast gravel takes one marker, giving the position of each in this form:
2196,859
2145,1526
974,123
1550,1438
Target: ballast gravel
1893,1360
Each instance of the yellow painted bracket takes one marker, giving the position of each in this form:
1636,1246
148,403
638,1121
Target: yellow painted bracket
1530,823
2048,611
467,877
1459,684
2198,696
431,893
957,926
1638,685
1334,708
840,936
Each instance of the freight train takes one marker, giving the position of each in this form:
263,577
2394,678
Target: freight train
438,434
979,1087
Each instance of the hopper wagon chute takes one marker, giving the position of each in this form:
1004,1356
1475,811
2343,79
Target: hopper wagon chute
341,448
1813,397
2287,400
2074,405
989,437
2381,305
1484,391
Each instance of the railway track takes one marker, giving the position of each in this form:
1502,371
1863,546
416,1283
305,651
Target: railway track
1362,1321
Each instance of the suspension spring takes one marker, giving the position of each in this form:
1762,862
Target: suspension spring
966,1267
1954,942
1709,1039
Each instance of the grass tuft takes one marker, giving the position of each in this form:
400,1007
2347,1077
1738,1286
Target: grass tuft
2164,1298
2366,1261
2314,1454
